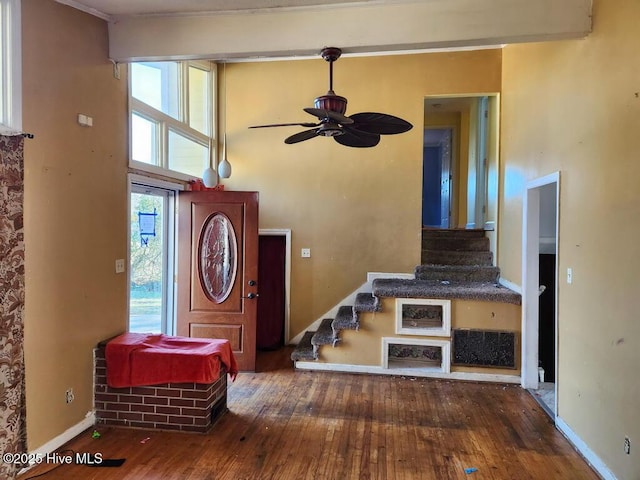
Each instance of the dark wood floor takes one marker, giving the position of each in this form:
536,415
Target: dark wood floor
284,424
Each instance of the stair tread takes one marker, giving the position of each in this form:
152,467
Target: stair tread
304,350
417,288
467,273
324,335
367,302
345,320
456,257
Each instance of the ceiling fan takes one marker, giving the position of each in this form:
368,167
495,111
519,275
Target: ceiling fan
358,130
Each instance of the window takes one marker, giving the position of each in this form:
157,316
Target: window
151,256
10,67
172,117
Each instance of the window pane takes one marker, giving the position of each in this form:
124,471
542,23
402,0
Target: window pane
144,140
146,269
187,156
199,100
157,84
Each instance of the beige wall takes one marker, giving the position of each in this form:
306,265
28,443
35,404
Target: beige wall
574,107
358,210
75,210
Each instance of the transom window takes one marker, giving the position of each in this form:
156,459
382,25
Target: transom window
10,68
172,106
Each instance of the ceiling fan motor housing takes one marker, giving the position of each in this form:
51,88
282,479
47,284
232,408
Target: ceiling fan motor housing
331,102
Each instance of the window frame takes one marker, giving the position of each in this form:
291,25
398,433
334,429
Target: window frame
170,192
11,66
166,123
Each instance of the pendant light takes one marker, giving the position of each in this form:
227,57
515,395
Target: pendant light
224,168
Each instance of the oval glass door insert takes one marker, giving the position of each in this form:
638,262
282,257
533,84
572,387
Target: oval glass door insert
218,254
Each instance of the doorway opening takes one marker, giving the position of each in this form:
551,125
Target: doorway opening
274,281
460,163
151,258
540,291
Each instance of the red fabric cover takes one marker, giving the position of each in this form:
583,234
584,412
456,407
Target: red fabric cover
135,359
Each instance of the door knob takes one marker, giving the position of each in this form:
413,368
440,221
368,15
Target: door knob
251,295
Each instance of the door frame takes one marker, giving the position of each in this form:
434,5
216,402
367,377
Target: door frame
530,280
283,232
453,160
171,261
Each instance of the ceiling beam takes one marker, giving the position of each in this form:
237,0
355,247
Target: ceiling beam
356,28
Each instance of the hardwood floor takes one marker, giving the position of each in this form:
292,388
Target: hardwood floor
284,424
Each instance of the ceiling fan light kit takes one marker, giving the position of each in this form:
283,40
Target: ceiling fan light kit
360,130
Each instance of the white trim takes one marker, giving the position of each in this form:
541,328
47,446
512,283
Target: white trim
510,285
349,300
443,331
92,11
69,434
470,226
530,279
592,459
489,226
409,372
285,232
445,347
154,182
11,58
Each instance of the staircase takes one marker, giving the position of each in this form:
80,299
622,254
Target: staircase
456,264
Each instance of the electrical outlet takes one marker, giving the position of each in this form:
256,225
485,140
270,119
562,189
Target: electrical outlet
627,446
305,253
120,265
68,395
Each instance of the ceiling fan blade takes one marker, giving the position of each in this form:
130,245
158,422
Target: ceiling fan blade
300,124
335,116
301,136
354,138
379,123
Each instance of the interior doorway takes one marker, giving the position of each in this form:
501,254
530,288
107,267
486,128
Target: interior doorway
274,277
461,179
436,177
540,290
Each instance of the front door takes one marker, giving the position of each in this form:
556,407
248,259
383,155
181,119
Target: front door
218,269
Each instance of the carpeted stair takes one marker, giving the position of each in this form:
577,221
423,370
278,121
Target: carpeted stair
456,263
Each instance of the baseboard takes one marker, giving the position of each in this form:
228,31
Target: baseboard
510,285
407,372
348,300
69,434
592,459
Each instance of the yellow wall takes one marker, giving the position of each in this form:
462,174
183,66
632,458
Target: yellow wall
75,210
358,210
574,107
364,347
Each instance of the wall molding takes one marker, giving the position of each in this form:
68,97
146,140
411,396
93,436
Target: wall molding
407,372
592,459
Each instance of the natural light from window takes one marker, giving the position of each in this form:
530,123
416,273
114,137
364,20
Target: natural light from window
172,117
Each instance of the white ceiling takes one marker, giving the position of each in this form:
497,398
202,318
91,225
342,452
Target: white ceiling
116,8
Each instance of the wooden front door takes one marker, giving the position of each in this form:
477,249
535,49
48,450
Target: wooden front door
217,280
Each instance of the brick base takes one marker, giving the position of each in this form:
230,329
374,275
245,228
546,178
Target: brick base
189,407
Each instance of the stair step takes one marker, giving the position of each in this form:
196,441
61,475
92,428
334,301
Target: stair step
483,291
452,232
447,257
367,302
324,335
476,244
304,350
345,320
458,273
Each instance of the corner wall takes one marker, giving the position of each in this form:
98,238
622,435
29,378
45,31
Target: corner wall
359,210
75,210
574,107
